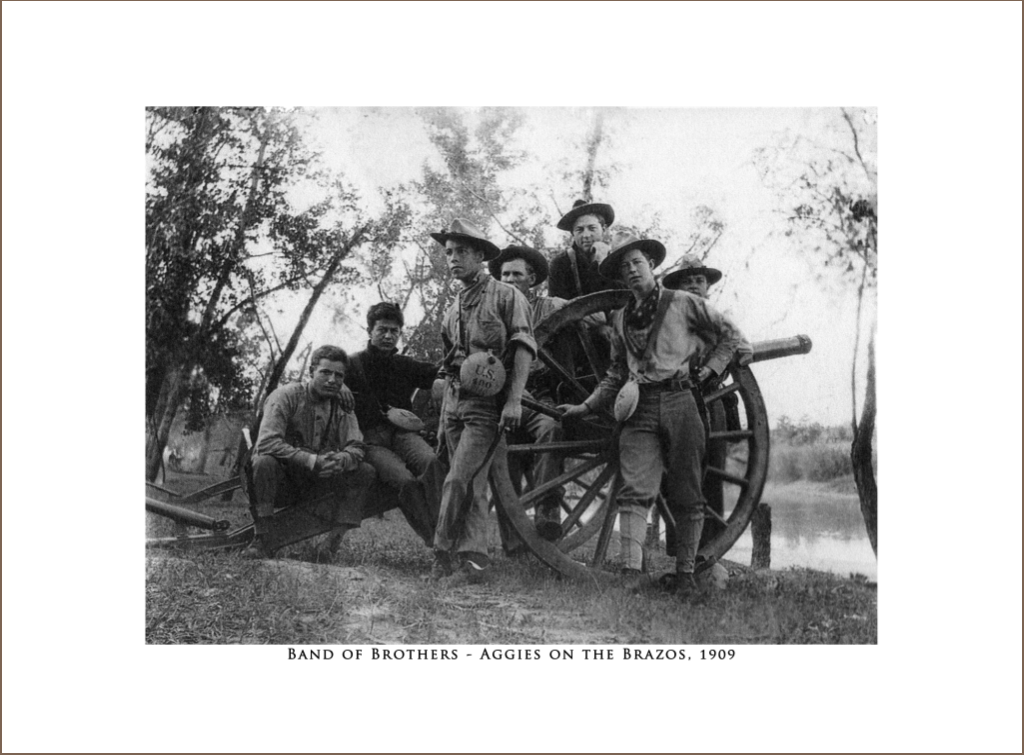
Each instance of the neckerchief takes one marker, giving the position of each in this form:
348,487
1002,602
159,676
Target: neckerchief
640,316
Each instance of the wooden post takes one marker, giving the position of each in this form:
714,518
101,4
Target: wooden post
761,530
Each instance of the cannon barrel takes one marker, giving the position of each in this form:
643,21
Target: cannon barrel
777,348
185,516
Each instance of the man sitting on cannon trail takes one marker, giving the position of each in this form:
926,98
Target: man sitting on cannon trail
696,278
488,324
309,453
383,381
526,268
655,336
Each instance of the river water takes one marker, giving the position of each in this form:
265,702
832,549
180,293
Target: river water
816,527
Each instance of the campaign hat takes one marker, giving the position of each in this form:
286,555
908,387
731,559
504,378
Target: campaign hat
581,208
466,231
626,242
691,265
533,258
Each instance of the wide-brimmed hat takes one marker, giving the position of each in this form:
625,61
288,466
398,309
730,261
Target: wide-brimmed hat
626,242
581,208
533,258
463,229
691,265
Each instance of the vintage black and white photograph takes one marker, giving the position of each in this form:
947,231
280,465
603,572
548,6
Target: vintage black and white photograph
436,376
506,375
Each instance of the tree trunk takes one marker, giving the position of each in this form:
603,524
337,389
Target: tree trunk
286,354
158,425
593,143
861,452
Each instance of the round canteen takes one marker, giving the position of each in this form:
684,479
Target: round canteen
403,419
626,401
437,390
482,374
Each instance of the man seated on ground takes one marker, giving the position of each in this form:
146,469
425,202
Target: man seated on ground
309,450
526,269
655,337
383,380
694,277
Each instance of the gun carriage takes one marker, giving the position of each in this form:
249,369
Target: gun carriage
590,450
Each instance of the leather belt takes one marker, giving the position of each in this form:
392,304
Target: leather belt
673,384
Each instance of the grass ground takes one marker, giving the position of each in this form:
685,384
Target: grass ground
375,594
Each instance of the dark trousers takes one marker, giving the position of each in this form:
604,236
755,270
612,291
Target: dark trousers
277,485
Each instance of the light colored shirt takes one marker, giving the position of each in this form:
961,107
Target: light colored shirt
691,326
494,317
296,426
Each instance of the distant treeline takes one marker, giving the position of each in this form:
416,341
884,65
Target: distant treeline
810,451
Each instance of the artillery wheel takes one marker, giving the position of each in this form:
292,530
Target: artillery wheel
594,444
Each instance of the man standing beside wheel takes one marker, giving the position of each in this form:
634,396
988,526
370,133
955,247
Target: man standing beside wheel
309,450
525,269
654,338
696,278
383,381
486,327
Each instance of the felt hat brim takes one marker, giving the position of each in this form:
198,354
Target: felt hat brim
674,279
490,250
595,208
533,258
609,267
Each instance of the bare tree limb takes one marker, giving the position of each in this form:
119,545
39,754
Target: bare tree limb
856,144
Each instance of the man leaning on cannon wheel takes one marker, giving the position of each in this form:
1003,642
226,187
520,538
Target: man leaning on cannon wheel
487,324
525,269
309,450
654,338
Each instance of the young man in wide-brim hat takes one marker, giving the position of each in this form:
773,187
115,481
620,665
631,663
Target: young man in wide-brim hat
487,318
574,272
526,268
654,338
694,277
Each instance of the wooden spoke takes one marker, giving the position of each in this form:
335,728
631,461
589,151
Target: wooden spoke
710,512
662,504
588,497
562,447
545,356
539,491
722,393
730,434
611,512
588,349
721,474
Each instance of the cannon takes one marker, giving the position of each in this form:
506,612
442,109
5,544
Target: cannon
591,462
591,452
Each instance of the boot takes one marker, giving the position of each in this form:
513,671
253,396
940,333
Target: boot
686,587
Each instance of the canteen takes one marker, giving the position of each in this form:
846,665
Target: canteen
403,419
482,374
626,401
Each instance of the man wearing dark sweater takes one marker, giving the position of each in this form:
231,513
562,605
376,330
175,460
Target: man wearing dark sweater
381,379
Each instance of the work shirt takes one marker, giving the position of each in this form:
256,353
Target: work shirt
380,379
690,326
296,426
494,316
562,282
